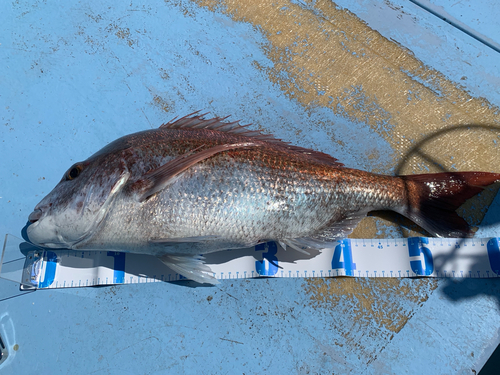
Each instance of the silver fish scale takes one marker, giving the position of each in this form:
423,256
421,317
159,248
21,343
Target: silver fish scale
241,203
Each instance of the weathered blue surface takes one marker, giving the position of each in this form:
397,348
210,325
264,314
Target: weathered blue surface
480,20
76,76
438,44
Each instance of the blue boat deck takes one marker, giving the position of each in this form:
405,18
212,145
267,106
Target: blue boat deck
388,87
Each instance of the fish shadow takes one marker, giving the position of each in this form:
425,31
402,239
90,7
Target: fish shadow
459,289
286,256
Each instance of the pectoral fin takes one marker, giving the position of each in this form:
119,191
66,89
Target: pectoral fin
157,179
190,266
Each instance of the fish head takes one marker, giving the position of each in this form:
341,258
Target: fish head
73,210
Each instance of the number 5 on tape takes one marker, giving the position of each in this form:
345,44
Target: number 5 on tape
493,247
424,267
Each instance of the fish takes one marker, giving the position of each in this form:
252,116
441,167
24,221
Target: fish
198,185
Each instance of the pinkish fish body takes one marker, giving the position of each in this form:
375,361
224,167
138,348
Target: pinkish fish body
196,186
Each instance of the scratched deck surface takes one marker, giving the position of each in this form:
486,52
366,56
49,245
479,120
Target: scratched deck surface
383,86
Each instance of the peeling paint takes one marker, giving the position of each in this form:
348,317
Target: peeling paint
381,83
388,302
375,309
162,103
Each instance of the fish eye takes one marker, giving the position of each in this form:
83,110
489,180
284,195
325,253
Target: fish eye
74,172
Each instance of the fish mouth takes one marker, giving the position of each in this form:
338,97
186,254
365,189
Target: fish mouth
35,216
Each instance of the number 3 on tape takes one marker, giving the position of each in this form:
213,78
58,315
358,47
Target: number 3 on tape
268,266
344,249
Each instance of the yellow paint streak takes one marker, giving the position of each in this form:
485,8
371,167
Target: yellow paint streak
377,305
333,59
367,228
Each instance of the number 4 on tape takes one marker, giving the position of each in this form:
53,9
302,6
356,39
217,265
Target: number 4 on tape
344,249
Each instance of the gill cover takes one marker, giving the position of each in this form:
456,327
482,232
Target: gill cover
76,207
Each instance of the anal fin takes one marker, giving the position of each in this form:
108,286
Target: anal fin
340,228
192,267
325,238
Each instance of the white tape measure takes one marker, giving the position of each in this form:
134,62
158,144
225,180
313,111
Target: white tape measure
403,257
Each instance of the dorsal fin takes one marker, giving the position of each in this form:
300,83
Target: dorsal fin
196,121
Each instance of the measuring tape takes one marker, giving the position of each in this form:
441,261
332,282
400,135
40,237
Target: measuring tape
403,257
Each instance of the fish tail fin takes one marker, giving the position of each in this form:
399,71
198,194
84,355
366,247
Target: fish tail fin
432,200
